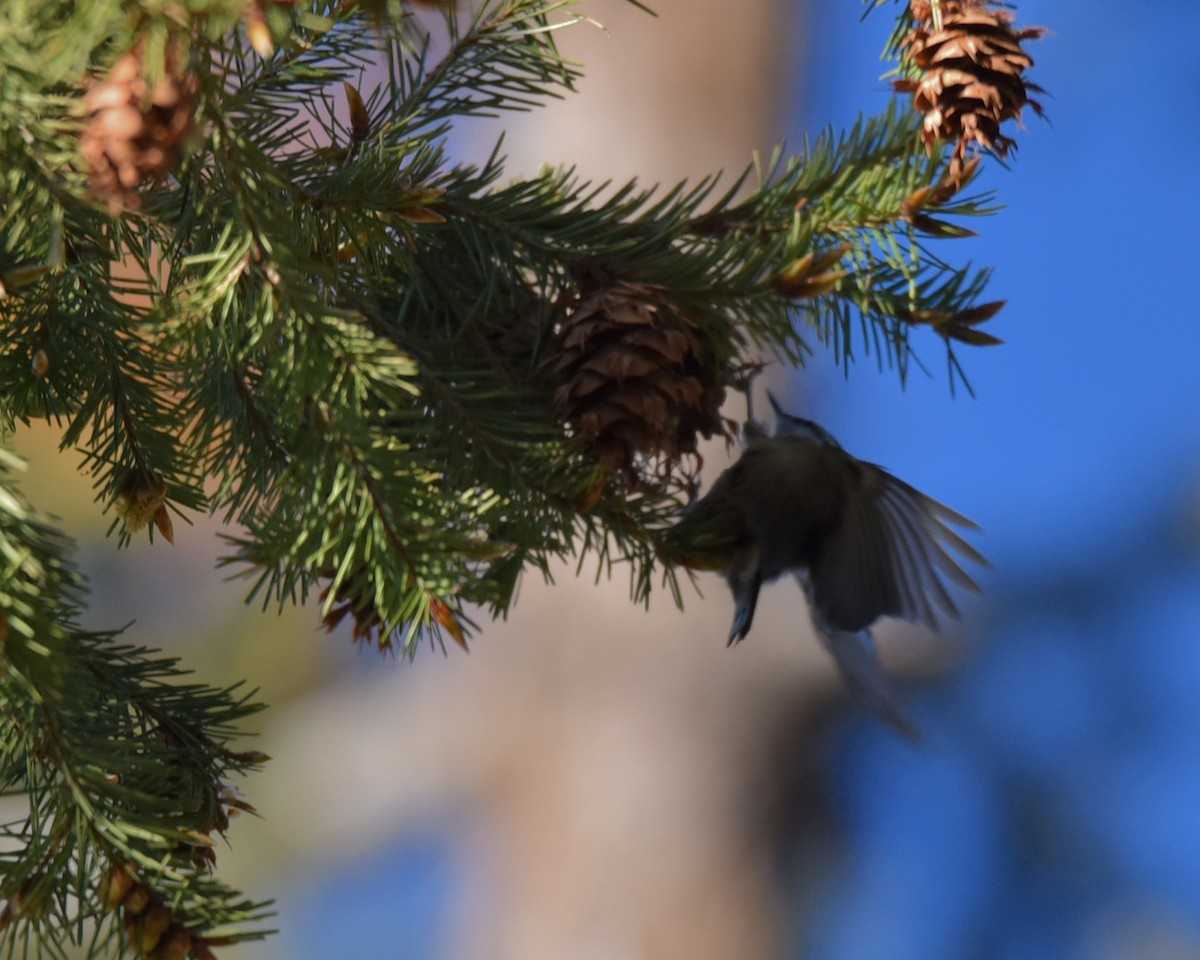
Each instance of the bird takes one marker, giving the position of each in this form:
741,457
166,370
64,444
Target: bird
862,543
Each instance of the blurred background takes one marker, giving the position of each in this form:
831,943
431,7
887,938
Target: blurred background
598,782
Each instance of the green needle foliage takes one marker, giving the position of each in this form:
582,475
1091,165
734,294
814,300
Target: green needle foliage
124,763
241,273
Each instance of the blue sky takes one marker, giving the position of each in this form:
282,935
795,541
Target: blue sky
1096,392
1059,799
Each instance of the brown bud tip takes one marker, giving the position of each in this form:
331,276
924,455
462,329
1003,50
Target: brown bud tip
252,758
258,33
360,120
162,523
136,900
139,501
114,887
152,926
40,364
445,617
175,945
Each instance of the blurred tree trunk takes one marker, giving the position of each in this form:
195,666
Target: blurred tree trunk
616,764
619,808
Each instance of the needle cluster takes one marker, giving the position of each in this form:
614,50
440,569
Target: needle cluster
242,273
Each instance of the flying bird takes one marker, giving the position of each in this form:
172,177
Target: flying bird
862,543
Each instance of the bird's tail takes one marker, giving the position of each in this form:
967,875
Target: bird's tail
858,662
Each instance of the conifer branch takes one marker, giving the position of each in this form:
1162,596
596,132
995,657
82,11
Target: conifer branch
242,273
125,767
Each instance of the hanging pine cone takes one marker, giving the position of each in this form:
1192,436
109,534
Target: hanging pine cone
972,65
637,378
134,133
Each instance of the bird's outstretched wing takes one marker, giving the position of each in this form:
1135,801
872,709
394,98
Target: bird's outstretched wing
888,556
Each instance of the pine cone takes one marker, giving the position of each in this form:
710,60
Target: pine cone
637,377
135,134
971,80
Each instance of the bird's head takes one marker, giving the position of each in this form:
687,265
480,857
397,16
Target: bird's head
788,425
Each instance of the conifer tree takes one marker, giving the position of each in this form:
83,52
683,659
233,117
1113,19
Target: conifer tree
241,273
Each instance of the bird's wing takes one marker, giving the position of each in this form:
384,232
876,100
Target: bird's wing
888,556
